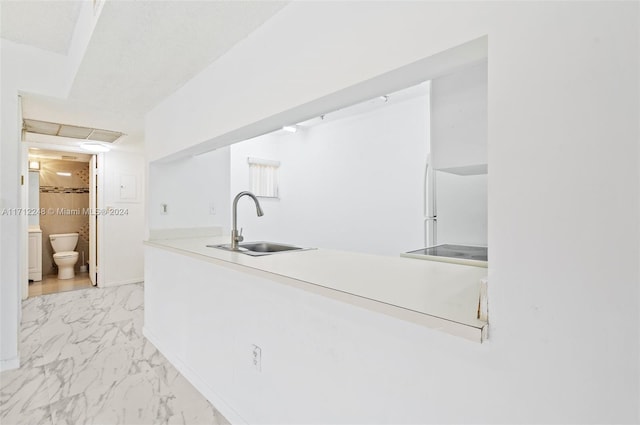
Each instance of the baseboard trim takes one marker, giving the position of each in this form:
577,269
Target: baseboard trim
120,283
9,364
222,406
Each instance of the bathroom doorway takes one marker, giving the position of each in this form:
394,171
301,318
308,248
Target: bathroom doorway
62,194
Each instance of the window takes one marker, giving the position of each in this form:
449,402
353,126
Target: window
263,177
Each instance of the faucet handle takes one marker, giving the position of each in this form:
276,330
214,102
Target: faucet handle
240,238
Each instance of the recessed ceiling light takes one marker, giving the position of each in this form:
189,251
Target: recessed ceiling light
290,128
63,173
94,147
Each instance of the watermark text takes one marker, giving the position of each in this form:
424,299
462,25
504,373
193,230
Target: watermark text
63,211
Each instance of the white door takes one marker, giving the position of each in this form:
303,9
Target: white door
93,222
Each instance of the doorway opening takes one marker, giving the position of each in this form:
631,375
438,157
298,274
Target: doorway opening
61,192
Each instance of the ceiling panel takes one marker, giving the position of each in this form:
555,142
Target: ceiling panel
104,136
41,127
75,132
47,25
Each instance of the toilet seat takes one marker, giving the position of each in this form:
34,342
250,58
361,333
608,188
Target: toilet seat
65,254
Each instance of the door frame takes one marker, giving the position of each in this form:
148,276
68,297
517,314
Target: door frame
93,220
24,201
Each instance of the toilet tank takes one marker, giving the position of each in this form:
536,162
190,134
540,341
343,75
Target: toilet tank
64,242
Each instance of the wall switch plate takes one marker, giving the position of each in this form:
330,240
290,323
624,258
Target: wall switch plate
164,209
212,209
256,354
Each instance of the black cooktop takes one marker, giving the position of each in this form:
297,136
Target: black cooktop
463,252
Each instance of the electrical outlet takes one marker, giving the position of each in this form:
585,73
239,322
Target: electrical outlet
256,355
212,209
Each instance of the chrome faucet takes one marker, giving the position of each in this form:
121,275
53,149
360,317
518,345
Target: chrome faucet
235,236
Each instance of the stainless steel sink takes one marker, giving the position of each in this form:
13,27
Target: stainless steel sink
260,248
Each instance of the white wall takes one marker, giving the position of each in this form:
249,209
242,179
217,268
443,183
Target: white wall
9,245
123,256
354,184
32,70
36,71
189,188
21,69
459,118
563,149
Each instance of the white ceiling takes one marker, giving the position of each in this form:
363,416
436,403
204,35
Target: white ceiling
76,113
47,25
141,52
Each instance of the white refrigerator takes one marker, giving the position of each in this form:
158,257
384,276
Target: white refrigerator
455,213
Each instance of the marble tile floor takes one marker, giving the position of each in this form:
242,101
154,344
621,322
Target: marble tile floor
51,284
84,361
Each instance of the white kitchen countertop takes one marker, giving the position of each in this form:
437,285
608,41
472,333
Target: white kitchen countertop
438,295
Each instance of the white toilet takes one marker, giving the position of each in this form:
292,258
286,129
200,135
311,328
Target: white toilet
65,257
